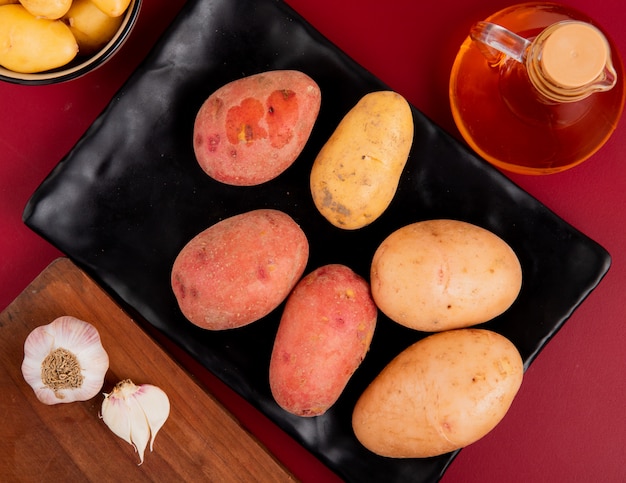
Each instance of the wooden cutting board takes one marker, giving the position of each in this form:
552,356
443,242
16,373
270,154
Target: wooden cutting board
200,441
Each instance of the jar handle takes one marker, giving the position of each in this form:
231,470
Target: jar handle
494,42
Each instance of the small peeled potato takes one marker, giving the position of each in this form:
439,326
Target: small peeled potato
439,395
444,274
356,174
324,334
240,269
113,8
50,9
29,44
91,27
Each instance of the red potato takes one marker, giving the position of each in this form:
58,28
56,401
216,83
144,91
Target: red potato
240,269
324,334
252,129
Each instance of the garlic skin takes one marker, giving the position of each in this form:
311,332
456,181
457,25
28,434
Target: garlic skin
64,361
135,413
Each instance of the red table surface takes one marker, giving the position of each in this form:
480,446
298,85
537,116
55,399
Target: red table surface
567,422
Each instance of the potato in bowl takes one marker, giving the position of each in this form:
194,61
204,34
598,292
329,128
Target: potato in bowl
62,45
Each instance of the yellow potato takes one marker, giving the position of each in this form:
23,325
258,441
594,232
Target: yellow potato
7,2
91,27
355,176
444,274
439,395
113,8
29,44
50,9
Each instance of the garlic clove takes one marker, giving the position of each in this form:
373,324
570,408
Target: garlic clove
36,348
68,333
139,428
135,413
156,407
116,415
38,344
64,361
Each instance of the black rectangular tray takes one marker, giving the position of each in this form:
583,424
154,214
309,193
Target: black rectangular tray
130,194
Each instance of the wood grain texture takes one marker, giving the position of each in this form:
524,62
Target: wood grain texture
200,441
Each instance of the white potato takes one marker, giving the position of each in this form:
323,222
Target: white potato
439,395
444,274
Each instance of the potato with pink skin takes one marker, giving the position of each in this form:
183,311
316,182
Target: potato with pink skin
324,334
252,129
240,269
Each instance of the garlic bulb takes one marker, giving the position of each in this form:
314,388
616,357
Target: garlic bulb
135,413
64,361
